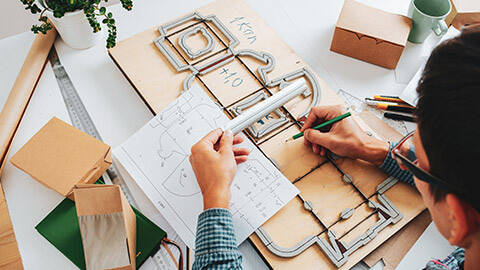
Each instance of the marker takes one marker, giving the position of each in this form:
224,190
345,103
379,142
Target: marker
395,108
400,117
331,121
374,103
388,98
390,106
265,107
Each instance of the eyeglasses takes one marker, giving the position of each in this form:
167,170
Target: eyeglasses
408,162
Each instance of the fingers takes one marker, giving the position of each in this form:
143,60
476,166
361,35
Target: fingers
316,113
316,148
306,142
316,137
240,159
322,113
226,142
212,137
241,152
237,139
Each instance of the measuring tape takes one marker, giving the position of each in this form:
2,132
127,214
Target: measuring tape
81,119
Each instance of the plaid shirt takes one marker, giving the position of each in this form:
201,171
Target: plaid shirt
216,246
454,261
391,167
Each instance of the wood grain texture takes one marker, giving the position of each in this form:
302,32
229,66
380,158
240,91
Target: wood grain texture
9,255
158,83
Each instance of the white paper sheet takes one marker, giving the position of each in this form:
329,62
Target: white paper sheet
409,94
157,158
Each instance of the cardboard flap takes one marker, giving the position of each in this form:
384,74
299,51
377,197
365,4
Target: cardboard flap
89,176
59,156
131,225
366,20
101,199
108,156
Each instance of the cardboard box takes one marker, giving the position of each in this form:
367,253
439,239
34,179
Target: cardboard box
107,226
370,34
464,12
60,156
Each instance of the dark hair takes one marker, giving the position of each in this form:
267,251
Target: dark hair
448,115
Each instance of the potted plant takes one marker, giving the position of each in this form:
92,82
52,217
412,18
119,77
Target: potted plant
77,21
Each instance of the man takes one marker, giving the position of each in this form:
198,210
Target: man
443,165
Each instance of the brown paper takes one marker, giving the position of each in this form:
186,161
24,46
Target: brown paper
370,34
107,225
60,156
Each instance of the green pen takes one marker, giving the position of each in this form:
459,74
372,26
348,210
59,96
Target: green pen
331,121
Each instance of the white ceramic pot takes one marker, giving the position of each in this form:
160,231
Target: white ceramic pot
75,30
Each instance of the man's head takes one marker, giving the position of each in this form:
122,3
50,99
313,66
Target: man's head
447,141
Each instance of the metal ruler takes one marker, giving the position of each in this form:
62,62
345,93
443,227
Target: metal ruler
163,261
81,119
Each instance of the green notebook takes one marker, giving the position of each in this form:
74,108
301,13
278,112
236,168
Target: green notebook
61,228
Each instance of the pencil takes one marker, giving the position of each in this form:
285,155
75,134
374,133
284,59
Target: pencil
331,121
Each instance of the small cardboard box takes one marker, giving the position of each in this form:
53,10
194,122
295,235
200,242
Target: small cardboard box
464,12
370,34
107,226
60,156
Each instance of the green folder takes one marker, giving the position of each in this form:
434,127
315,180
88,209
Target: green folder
60,227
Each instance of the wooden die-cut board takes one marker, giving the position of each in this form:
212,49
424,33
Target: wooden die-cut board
230,74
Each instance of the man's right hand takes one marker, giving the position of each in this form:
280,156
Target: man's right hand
345,138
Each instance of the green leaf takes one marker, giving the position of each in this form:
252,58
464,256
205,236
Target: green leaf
102,10
110,15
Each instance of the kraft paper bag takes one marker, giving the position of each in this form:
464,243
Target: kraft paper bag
107,227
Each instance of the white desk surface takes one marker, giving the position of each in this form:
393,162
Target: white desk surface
306,25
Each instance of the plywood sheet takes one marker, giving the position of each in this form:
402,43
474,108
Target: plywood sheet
238,74
10,258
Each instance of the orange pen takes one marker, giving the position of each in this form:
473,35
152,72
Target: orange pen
388,98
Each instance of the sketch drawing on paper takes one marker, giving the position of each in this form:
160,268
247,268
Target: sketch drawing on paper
172,155
201,62
157,158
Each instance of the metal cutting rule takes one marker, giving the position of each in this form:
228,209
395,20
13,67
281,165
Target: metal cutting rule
81,119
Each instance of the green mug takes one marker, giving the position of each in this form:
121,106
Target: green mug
427,16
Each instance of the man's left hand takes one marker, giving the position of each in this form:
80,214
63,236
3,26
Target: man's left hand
214,161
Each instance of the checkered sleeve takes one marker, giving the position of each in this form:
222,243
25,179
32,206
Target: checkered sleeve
215,245
391,167
454,261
